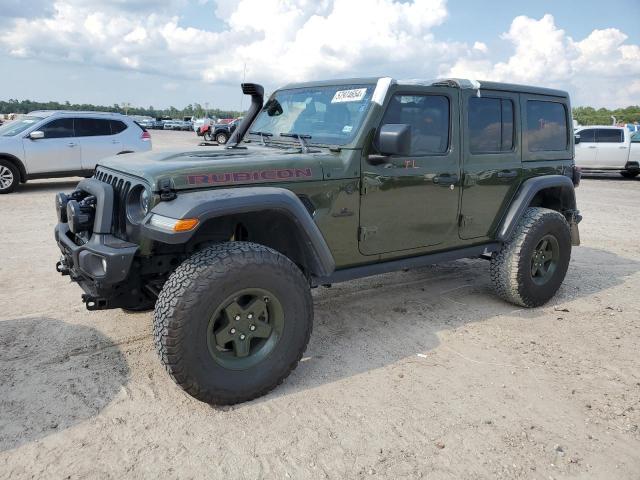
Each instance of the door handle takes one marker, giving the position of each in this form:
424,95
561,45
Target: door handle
71,144
623,147
115,141
507,174
592,146
445,179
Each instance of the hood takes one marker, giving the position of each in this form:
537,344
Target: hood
218,166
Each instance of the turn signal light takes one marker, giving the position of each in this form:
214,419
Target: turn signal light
185,224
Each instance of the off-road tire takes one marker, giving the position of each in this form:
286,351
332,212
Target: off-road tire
511,265
7,166
193,293
222,138
629,174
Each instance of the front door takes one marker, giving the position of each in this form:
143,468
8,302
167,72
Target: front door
411,201
587,150
58,151
492,160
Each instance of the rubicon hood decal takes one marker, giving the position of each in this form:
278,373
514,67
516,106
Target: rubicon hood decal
250,176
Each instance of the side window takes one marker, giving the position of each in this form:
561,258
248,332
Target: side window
609,135
117,127
60,128
546,126
490,125
588,135
92,127
428,116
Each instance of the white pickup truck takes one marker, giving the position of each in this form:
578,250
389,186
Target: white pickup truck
601,147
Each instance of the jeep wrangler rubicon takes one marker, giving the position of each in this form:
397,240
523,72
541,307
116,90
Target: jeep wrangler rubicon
322,183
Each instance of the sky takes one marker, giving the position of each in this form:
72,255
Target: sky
165,53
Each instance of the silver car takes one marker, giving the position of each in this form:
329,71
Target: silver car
51,144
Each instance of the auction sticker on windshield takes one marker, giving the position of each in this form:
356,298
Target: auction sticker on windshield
354,95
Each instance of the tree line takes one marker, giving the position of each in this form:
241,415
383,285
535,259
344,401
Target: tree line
584,115
602,116
191,110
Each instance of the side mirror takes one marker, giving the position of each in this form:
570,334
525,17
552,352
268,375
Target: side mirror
394,139
36,135
576,139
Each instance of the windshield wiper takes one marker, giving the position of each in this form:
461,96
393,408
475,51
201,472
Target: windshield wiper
262,135
301,138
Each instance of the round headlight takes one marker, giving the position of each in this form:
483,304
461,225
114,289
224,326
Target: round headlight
138,204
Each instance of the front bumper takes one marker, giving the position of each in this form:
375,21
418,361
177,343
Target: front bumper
101,266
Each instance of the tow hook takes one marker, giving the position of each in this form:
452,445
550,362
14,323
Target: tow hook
93,303
62,268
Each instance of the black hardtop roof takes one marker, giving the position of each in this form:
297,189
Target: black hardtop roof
452,82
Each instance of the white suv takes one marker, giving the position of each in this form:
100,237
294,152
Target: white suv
51,144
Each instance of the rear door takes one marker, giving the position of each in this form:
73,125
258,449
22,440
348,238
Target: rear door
411,201
492,159
613,152
58,151
587,149
96,140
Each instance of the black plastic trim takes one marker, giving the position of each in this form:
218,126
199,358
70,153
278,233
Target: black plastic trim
353,273
208,204
61,174
527,191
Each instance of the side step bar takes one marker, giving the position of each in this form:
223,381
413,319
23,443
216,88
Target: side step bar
352,273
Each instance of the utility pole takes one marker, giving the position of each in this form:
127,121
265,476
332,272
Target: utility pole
206,109
125,106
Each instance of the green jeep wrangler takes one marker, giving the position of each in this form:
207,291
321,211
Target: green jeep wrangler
325,182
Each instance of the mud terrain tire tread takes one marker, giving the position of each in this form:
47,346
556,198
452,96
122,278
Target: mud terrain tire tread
511,263
184,289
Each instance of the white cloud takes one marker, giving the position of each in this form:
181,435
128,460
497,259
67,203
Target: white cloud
290,40
595,69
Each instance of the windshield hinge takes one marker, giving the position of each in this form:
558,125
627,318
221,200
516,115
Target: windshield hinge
166,192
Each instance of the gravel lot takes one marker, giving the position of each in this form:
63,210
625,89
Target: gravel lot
408,375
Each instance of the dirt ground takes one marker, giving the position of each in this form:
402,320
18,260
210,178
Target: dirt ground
419,374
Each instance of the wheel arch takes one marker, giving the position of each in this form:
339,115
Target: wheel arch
271,216
17,163
555,192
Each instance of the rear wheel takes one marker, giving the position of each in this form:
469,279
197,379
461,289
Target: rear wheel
9,177
530,267
222,138
629,174
232,322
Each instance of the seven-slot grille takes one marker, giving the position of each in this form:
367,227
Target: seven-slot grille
121,188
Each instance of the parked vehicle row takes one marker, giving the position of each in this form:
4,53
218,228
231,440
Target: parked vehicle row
49,144
608,148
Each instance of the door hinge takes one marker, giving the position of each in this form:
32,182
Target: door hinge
366,232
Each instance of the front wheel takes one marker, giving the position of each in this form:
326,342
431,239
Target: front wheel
232,322
629,174
529,268
9,177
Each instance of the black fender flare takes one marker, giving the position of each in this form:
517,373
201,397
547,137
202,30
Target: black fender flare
209,204
526,192
18,163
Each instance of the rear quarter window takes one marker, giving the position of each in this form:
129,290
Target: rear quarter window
118,127
546,126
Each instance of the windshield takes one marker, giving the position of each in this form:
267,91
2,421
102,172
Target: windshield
326,115
17,126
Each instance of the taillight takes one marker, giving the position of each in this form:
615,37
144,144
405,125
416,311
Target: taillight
145,136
